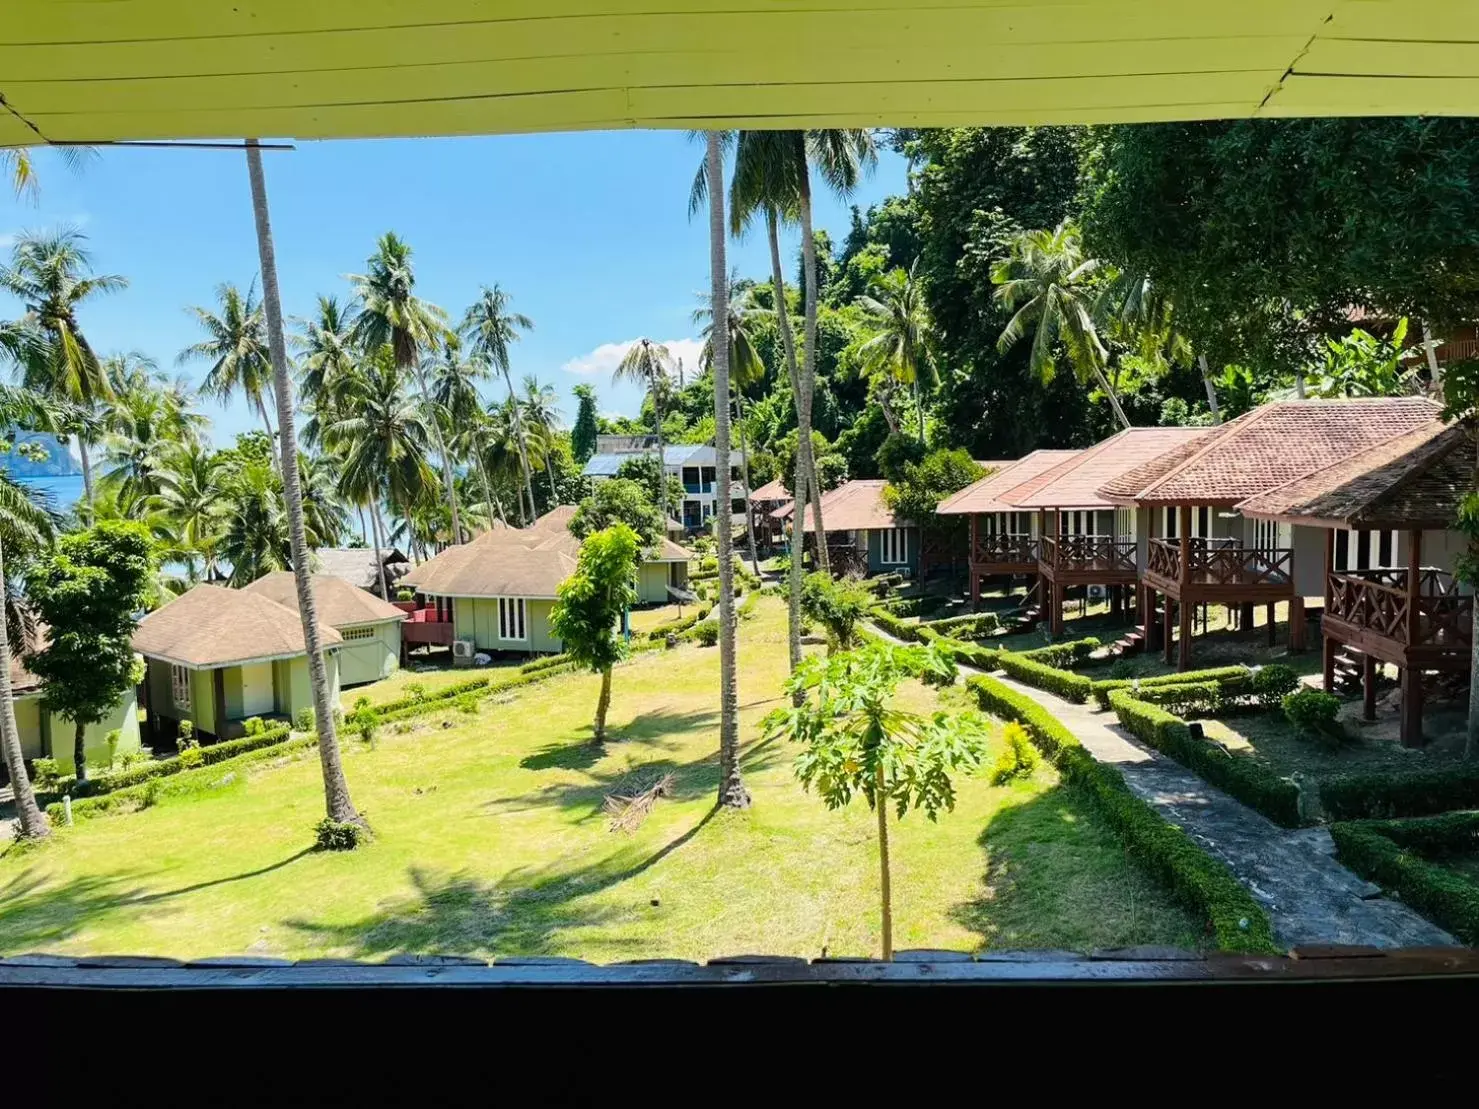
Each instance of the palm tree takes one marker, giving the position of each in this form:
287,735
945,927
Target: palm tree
491,326
1133,308
1050,284
899,347
746,369
190,496
732,792
337,803
254,533
454,385
391,314
149,417
541,415
236,346
382,440
48,274
648,364
328,359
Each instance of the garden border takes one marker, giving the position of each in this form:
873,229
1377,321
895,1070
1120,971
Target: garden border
1386,852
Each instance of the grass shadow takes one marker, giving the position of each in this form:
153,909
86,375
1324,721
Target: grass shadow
1057,877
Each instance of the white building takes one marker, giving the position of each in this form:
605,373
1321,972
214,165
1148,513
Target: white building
695,465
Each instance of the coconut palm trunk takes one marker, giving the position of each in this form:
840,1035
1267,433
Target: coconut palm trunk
523,445
549,472
28,814
739,404
379,530
493,502
435,419
337,802
732,792
1111,395
1211,388
82,455
271,433
799,481
809,370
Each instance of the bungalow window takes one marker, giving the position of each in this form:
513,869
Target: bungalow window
179,687
1170,515
1365,550
1124,523
895,545
1269,535
511,619
351,634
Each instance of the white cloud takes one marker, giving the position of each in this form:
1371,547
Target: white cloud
602,361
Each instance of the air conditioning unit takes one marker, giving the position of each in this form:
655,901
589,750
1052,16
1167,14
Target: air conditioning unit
463,651
1098,592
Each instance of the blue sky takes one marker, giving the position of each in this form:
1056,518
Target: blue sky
588,232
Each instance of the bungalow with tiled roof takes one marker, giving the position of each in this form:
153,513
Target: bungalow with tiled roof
863,534
370,628
497,591
1203,550
769,529
1384,517
45,734
219,656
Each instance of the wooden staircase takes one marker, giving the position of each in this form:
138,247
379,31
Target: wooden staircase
1132,643
1347,671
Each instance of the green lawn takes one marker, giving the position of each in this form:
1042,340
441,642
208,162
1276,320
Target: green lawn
491,840
399,684
1270,737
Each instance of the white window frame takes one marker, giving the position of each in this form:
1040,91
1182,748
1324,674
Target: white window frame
893,546
1364,546
1272,535
1125,525
513,616
180,687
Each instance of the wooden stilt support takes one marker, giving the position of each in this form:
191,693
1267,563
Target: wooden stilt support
1166,639
1188,619
1298,625
1245,618
1328,662
1412,707
1271,615
1368,687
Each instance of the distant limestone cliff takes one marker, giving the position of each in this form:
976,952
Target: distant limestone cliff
59,461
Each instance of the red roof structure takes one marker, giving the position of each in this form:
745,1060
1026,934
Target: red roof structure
1274,444
852,506
1074,483
993,492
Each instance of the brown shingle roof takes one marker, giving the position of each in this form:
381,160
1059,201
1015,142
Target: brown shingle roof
356,565
1075,482
1274,444
514,562
771,491
337,603
1411,481
212,626
853,505
992,493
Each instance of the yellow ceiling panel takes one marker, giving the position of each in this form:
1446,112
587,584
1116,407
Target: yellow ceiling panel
93,70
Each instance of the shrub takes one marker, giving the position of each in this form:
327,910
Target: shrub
709,563
1247,779
134,757
1230,679
467,703
1018,760
405,593
1272,683
1206,886
338,835
1063,655
1414,793
191,757
969,654
890,622
1102,690
113,739
1120,669
547,661
185,736
707,633
1199,698
974,626
416,691
1313,713
1065,683
45,774
254,725
303,719
1388,853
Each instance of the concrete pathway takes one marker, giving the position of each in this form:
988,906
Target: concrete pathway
1293,873
1309,896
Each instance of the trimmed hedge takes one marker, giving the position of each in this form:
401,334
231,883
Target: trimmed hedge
1207,887
973,626
1250,781
1202,698
543,663
164,768
895,627
1415,793
969,654
1063,655
1387,852
1232,679
1065,683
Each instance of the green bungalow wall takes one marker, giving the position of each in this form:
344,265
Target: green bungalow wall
653,579
476,618
278,688
874,540
369,660
45,734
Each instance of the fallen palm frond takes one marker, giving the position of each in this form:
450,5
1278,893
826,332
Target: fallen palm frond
628,810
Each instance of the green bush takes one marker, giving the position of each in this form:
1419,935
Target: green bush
543,663
45,775
1063,655
405,593
896,627
1101,690
467,703
969,654
254,724
1237,921
1313,714
186,733
974,626
1230,679
1018,759
1247,779
190,757
1191,698
707,633
303,719
1414,793
1065,683
338,835
1391,854
1272,683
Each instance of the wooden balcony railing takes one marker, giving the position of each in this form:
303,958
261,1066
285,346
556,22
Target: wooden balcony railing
1083,553
1014,550
1379,601
1212,562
